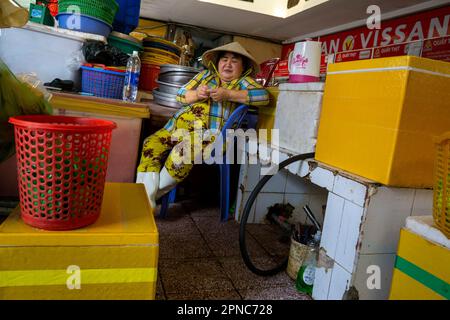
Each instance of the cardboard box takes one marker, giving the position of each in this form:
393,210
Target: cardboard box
421,269
379,117
114,258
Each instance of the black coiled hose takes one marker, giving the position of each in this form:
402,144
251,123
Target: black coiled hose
248,206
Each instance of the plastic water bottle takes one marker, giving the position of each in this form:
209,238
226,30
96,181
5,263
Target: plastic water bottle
307,272
131,83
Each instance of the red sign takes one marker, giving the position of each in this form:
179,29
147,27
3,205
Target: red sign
286,49
425,25
353,55
281,69
438,49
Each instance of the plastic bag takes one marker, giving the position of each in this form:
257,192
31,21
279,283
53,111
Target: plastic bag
18,98
98,52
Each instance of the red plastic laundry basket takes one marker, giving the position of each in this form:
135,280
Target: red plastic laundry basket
61,163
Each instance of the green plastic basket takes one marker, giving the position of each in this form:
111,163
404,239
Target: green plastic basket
100,4
103,15
103,9
126,46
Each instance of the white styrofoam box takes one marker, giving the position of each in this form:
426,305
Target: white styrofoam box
296,184
123,156
332,224
297,201
59,51
296,116
373,276
316,201
425,227
349,235
277,183
263,202
423,203
322,282
340,282
323,178
386,214
350,190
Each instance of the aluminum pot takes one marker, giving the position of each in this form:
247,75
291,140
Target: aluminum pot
165,99
169,88
176,77
176,67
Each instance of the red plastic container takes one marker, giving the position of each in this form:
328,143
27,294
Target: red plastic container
61,163
148,77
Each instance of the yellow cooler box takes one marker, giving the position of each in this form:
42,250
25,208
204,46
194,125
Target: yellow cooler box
379,117
114,258
422,266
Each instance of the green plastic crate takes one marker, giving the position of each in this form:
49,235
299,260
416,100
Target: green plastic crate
40,14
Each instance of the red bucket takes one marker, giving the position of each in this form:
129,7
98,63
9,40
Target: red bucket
61,163
148,77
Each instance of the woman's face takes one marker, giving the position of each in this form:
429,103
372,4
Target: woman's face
230,66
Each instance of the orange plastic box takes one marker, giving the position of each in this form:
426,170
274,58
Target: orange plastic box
379,118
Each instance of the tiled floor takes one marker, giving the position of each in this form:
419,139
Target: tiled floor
200,259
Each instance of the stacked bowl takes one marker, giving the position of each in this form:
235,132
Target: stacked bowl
157,51
171,78
96,16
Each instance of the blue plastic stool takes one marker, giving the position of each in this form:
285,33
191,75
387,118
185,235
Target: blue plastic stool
234,120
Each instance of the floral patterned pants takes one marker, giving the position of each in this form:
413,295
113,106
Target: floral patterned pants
170,147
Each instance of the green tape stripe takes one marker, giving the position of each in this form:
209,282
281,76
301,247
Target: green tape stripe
427,279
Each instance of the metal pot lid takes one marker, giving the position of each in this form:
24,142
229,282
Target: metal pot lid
164,96
176,67
168,84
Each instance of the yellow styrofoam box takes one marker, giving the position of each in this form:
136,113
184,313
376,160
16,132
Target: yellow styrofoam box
266,114
379,118
421,269
114,258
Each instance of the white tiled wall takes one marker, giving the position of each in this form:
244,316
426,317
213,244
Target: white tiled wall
385,262
350,190
340,282
298,201
316,202
277,184
263,202
423,203
322,282
348,235
332,224
386,215
361,225
323,178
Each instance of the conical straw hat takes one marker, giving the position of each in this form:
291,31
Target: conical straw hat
235,47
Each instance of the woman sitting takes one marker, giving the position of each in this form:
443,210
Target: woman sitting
208,99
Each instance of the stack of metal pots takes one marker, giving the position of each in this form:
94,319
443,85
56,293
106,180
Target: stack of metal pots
171,78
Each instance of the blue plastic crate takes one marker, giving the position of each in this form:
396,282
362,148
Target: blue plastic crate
127,17
102,83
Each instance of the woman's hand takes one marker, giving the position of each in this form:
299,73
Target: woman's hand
220,94
203,92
